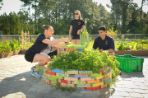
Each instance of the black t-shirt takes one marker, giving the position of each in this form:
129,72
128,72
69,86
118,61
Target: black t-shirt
76,25
107,43
37,47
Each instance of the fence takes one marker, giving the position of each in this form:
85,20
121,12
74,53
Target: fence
33,37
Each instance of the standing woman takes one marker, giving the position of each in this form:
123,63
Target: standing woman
76,26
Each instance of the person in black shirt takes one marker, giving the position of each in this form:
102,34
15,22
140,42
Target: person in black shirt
76,25
103,41
43,49
36,52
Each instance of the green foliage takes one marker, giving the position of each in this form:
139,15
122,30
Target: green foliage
8,46
1,4
86,60
132,45
114,64
11,47
5,47
84,36
15,45
59,13
13,23
127,17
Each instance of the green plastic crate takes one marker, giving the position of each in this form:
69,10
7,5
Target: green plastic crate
129,63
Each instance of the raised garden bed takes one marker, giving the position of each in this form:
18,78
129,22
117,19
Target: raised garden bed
133,52
87,70
75,79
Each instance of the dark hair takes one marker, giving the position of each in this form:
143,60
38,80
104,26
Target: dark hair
102,28
46,27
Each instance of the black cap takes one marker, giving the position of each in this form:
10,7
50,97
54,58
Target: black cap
102,28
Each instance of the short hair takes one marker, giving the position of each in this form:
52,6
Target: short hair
46,27
102,28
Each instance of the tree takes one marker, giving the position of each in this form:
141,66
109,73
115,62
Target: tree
14,23
119,11
1,4
59,13
142,14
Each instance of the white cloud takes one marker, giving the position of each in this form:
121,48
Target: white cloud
10,6
15,5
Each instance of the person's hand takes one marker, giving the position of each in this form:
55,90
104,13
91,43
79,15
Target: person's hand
49,42
101,50
46,41
58,45
64,40
111,52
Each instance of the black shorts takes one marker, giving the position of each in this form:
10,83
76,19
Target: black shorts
75,37
30,56
51,54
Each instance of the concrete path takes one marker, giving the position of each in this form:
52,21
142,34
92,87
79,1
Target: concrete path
133,85
15,77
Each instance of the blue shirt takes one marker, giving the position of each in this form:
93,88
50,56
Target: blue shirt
107,43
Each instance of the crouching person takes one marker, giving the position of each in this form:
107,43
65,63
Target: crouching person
103,41
41,51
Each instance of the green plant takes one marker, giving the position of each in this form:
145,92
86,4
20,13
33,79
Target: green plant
5,46
132,45
111,32
123,46
114,64
86,60
84,36
15,45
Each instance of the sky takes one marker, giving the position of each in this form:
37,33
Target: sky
15,5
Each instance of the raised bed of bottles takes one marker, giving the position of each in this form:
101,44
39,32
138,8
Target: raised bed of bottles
75,79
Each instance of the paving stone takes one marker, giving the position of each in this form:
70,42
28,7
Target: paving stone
121,93
116,97
124,89
136,95
15,68
141,91
145,95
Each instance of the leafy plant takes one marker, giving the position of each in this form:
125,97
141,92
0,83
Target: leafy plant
111,32
5,46
87,60
15,45
84,36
